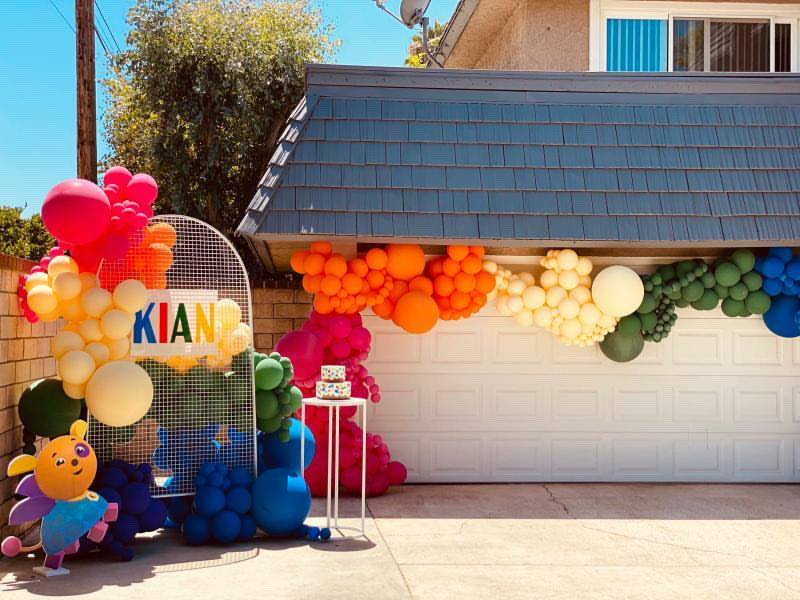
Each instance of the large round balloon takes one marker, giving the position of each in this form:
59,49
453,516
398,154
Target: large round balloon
281,501
780,318
622,345
287,454
405,261
416,312
617,291
46,410
119,393
76,211
304,350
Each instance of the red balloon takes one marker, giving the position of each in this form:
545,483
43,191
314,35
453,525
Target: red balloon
304,350
76,211
142,189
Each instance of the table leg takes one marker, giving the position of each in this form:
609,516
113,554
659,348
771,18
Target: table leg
336,475
302,439
328,482
363,467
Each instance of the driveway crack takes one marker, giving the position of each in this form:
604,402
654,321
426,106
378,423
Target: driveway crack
552,498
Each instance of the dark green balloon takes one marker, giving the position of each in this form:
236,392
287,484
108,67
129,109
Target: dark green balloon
753,280
284,436
667,272
649,321
744,260
693,291
727,274
270,425
708,280
46,410
681,302
266,404
648,304
733,308
757,302
708,301
269,374
684,267
258,357
621,347
739,291
721,291
630,325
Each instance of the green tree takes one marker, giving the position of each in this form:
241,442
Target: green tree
416,51
25,238
202,93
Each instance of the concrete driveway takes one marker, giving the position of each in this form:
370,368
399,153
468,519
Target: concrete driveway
571,541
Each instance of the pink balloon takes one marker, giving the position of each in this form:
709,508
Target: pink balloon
360,338
304,350
112,193
379,484
37,269
140,220
55,251
113,246
76,211
119,176
142,189
117,224
340,327
396,472
116,209
128,215
87,257
340,348
351,478
44,262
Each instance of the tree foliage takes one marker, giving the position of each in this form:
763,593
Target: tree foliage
202,93
25,238
416,51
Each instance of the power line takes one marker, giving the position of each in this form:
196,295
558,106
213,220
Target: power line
108,27
58,10
100,37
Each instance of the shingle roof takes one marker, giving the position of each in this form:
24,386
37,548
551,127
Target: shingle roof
522,157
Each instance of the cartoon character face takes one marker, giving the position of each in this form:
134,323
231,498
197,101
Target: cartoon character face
66,467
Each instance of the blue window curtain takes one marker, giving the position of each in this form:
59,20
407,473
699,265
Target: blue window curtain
636,45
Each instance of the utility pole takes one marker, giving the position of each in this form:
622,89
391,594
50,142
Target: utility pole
87,111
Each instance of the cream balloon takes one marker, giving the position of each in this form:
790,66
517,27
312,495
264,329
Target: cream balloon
569,308
130,295
617,291
585,280
116,323
515,304
555,295
61,264
567,259
67,286
580,294
589,314
524,317
527,277
42,300
96,301
118,348
71,309
228,313
568,280
90,330
516,287
65,341
502,306
533,297
76,366
119,393
490,266
99,352
548,279
35,279
75,391
584,266
570,329
542,317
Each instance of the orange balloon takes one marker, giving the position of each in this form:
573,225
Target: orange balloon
450,267
384,309
297,262
434,267
373,299
358,266
406,261
484,282
336,265
335,301
457,253
478,251
377,259
314,263
443,285
139,258
161,233
341,293
375,279
464,282
459,300
471,264
352,283
159,256
415,312
479,301
444,303
446,314
312,283
330,285
421,284
321,247
398,289
159,281
322,304
365,288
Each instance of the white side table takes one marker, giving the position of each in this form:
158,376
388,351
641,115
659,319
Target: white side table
334,414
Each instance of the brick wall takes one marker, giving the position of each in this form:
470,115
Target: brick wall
276,312
24,357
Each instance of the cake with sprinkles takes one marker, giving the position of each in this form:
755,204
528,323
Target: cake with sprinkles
333,385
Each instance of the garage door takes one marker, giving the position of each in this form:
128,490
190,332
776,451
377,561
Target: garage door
485,400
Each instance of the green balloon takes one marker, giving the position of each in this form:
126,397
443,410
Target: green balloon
257,358
727,274
744,260
684,267
46,410
708,280
693,291
667,272
271,424
708,301
630,325
621,347
269,373
681,302
757,302
284,397
649,321
721,291
284,436
286,362
732,308
648,304
739,291
266,404
753,280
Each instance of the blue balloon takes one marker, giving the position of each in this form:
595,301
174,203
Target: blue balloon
772,267
110,494
125,528
225,526
135,498
178,508
241,477
780,318
113,477
793,268
206,469
324,534
195,529
281,501
248,529
217,479
153,517
772,287
209,500
313,533
238,500
287,454
782,253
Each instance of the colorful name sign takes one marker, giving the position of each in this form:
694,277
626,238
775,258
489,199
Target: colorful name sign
176,322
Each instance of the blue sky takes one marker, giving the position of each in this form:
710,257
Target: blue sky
37,79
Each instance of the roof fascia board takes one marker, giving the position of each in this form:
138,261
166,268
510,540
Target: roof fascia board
455,27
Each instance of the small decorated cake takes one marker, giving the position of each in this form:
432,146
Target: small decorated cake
333,386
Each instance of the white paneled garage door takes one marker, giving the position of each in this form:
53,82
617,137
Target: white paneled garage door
485,400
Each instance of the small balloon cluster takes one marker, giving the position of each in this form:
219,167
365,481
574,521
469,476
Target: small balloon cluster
276,397
460,284
149,258
221,511
129,486
781,271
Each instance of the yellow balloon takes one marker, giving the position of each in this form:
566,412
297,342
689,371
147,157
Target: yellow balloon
130,295
502,305
548,279
580,294
589,314
99,352
64,341
181,363
74,390
515,304
585,281
90,330
67,285
71,309
569,308
235,341
533,297
73,327
542,317
119,393
42,300
51,316
570,329
584,266
61,264
228,313
555,295
76,366
95,301
568,280
617,291
88,280
219,361
116,323
35,279
119,348
567,260
490,266
524,317
516,287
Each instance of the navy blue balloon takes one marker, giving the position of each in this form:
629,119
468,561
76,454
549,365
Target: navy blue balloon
178,508
241,477
287,454
209,500
780,318
110,494
225,526
238,500
217,479
248,529
113,477
135,498
324,534
125,528
782,253
195,529
154,516
281,501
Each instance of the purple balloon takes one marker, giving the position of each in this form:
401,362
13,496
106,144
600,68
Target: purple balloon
304,349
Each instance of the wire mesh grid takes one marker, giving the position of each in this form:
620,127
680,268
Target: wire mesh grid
204,398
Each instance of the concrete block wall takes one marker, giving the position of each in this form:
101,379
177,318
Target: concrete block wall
276,312
24,357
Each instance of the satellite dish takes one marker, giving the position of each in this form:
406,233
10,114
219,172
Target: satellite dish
412,11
